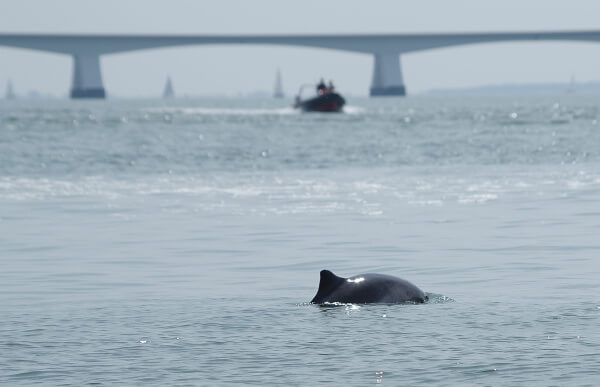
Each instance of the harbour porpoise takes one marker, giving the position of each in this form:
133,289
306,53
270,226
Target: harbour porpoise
365,289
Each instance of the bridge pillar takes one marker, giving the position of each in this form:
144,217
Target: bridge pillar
387,75
87,78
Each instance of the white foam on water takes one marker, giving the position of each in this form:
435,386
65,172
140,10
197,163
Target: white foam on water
354,109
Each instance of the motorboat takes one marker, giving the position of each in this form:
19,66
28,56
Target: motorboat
326,100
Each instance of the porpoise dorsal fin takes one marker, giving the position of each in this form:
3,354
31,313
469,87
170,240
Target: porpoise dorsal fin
327,283
327,277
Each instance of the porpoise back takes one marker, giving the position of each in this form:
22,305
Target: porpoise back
365,289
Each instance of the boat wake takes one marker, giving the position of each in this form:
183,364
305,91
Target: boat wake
221,111
204,111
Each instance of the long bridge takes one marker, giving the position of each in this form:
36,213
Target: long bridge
386,49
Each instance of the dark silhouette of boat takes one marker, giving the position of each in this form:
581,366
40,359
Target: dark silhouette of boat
327,99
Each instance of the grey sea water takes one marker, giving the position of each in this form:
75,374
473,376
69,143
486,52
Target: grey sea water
177,243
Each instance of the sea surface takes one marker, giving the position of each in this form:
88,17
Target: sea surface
150,242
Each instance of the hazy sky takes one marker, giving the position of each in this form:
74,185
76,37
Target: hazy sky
244,69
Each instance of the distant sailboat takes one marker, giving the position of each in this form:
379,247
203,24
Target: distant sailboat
168,92
278,86
572,84
10,93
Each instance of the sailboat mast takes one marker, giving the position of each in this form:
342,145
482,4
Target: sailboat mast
278,93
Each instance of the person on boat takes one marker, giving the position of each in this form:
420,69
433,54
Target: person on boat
331,88
321,88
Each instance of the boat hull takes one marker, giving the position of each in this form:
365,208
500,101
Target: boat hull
330,102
